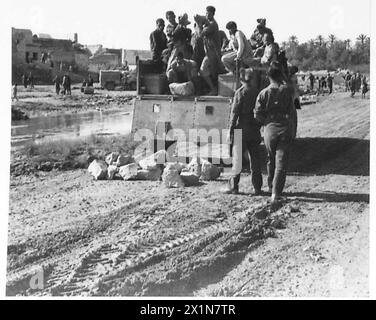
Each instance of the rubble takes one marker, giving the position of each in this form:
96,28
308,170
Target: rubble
151,175
111,158
172,179
98,169
209,171
111,171
128,171
189,178
123,160
151,162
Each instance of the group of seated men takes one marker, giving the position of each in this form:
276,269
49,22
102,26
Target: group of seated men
201,55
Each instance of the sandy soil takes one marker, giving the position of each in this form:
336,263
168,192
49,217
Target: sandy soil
139,238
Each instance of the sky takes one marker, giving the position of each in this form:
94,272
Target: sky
127,24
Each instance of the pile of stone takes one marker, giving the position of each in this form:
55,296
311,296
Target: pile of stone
155,167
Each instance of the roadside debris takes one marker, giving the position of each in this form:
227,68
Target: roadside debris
155,167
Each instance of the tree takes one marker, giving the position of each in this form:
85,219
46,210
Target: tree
320,40
293,39
332,38
362,38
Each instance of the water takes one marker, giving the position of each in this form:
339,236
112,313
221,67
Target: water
70,126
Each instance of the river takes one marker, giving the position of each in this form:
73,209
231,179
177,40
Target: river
70,126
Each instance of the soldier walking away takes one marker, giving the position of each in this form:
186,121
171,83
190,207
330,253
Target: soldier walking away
275,111
242,118
329,79
56,81
14,92
347,78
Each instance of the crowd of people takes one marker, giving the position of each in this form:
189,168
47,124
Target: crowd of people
201,54
65,83
354,82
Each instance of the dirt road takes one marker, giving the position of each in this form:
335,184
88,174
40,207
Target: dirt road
138,238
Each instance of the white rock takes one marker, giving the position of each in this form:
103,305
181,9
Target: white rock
209,171
128,171
171,179
152,175
151,162
195,166
98,169
189,178
111,158
179,166
111,171
123,160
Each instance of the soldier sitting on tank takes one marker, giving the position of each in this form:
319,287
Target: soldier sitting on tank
257,38
240,50
181,70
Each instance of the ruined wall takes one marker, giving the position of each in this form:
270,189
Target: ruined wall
130,56
105,61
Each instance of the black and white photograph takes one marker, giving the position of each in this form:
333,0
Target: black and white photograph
198,149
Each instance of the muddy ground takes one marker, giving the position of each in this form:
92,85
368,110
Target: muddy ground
43,101
138,238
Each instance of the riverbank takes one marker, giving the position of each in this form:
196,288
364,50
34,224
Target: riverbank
43,101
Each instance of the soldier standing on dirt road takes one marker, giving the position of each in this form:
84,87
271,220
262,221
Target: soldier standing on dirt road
56,81
329,79
242,118
275,111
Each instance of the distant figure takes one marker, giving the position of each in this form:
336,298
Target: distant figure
31,80
323,83
364,87
311,81
67,84
329,79
353,85
90,81
320,84
14,90
358,82
347,78
61,66
24,80
56,81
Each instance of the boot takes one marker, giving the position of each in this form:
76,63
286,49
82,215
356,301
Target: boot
233,185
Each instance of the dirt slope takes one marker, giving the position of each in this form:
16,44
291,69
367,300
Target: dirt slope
138,238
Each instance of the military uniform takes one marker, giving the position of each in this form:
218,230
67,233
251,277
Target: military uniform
242,118
275,110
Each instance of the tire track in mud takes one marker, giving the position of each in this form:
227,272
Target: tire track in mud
111,263
54,268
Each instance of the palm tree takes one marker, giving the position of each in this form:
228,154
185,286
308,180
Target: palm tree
320,40
362,38
293,39
332,38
